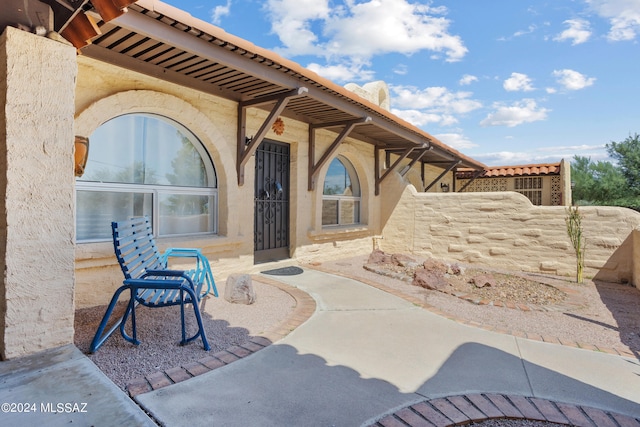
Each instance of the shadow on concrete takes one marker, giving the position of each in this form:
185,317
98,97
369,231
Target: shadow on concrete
279,386
623,301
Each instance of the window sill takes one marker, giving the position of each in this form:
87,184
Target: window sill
340,233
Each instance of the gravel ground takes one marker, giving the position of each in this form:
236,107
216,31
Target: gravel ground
606,315
159,331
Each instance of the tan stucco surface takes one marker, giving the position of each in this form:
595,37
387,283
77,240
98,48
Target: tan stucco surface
37,222
504,229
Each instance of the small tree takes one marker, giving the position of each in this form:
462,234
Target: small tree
574,230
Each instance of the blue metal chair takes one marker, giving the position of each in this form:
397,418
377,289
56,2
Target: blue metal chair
151,283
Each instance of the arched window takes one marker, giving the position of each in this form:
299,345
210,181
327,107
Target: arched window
144,164
341,194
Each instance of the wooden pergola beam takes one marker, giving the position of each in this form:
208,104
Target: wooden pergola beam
379,178
314,168
444,172
247,147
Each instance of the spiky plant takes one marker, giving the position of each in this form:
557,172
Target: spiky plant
574,230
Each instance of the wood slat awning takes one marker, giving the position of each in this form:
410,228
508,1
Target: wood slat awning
159,40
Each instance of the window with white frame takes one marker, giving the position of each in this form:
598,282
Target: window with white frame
145,164
341,194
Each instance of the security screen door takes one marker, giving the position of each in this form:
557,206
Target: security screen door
271,202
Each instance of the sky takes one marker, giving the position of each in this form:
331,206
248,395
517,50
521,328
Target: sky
505,82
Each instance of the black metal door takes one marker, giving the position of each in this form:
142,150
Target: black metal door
271,202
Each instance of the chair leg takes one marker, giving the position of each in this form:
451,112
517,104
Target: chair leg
196,310
131,309
100,337
184,333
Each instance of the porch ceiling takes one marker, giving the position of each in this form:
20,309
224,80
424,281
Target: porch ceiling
161,41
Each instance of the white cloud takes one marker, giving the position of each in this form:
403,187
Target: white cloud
623,16
219,11
422,118
467,79
401,69
434,99
343,72
353,30
529,30
518,82
292,21
542,155
573,80
525,111
431,105
578,32
456,140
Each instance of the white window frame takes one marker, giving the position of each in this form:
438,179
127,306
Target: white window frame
155,191
340,200
350,169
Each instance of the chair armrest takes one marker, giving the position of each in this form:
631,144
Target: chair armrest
168,273
172,273
155,284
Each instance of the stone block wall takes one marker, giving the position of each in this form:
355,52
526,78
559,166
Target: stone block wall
505,230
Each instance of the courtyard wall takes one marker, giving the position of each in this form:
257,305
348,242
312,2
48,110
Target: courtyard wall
503,229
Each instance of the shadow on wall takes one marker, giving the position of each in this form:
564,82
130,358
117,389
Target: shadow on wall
619,267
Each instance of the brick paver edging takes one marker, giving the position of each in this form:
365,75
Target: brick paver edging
305,307
461,410
420,303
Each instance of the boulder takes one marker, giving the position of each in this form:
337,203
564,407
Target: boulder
429,279
239,289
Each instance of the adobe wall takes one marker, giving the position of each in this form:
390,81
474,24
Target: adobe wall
505,230
37,78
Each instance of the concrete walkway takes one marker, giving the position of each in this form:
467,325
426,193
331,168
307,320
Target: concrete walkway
365,354
62,387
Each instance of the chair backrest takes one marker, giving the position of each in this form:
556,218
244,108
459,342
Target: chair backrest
135,248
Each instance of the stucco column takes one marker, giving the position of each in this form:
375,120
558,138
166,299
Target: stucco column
37,84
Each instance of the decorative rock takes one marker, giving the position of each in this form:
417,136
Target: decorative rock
239,289
401,260
455,269
433,265
483,280
429,279
378,257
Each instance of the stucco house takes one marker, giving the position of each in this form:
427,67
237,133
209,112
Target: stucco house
227,147
224,145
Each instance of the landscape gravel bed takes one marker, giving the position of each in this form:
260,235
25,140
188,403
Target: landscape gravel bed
159,331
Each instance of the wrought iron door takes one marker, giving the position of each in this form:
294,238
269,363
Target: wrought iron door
271,202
